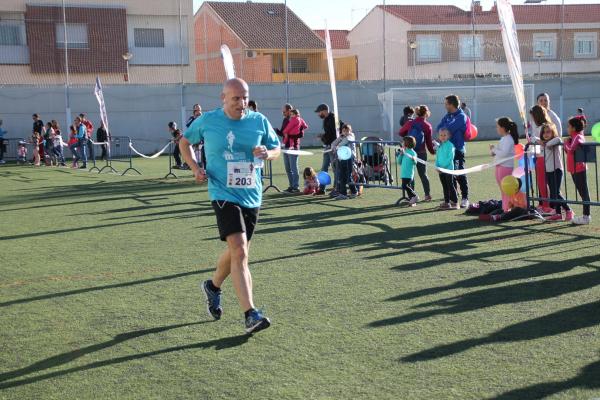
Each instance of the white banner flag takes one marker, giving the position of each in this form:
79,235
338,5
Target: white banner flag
510,41
332,79
100,98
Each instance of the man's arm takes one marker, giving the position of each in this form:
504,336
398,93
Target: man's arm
265,154
186,153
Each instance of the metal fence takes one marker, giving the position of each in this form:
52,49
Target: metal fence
539,188
170,50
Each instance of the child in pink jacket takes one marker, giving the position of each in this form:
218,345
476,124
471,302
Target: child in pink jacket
578,170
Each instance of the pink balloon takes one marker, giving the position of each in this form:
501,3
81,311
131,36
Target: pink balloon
471,133
518,172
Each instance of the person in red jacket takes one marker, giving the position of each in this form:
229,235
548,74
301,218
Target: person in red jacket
578,170
422,131
292,133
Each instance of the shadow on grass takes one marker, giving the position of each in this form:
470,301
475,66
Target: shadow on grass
509,294
563,321
104,287
61,359
588,378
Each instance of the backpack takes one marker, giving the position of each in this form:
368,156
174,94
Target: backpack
416,131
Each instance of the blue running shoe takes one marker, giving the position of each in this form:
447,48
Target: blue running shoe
256,321
213,301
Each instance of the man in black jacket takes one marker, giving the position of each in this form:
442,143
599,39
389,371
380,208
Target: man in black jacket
287,108
329,135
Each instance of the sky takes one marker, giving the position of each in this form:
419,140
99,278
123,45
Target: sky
344,14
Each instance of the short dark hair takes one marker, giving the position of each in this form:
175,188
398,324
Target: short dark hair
577,123
408,110
82,115
453,100
252,104
35,115
288,106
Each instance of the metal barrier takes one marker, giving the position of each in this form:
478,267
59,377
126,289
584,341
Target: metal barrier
377,158
10,147
586,153
172,146
267,173
119,151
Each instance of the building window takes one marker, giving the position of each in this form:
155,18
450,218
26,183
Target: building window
77,36
10,35
586,45
298,65
278,64
145,37
546,43
429,48
471,47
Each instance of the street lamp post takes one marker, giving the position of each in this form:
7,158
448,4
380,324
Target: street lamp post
127,56
413,46
539,54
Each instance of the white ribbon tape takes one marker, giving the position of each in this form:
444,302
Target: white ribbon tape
152,156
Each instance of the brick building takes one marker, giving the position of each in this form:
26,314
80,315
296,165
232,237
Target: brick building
255,33
34,39
442,42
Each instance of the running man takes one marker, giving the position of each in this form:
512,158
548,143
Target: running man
237,141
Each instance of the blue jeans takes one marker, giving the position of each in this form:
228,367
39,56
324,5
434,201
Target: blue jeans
291,169
326,162
345,176
82,144
58,154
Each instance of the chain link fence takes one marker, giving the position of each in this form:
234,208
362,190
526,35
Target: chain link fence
157,58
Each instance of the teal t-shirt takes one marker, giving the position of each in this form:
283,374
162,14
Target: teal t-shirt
230,141
444,156
407,164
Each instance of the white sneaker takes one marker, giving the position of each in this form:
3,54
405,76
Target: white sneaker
582,220
413,200
464,203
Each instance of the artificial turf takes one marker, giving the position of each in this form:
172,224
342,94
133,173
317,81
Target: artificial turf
99,295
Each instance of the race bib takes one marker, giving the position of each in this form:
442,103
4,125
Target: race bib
241,175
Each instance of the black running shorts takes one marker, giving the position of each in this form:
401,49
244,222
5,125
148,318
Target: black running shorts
232,218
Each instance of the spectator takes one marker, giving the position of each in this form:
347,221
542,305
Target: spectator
73,145
292,133
287,108
176,134
81,142
465,109
38,127
253,106
408,114
329,135
455,121
89,129
102,137
48,144
543,100
420,129
196,112
57,146
197,147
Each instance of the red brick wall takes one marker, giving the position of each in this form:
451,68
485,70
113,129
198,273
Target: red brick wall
256,69
107,39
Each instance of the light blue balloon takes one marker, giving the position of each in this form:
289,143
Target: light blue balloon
344,153
324,178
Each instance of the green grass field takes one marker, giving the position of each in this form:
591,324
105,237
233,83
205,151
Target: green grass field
99,295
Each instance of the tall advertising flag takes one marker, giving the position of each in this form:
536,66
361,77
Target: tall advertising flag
510,41
100,98
330,66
